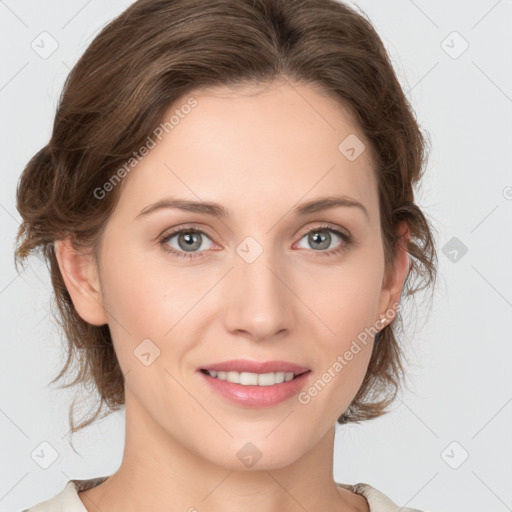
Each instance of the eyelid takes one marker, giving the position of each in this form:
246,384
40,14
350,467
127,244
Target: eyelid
176,230
183,227
326,226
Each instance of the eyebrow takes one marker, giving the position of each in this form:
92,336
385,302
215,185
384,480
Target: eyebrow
217,210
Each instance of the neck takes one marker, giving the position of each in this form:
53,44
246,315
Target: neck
159,472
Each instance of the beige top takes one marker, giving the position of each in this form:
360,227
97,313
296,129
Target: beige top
68,501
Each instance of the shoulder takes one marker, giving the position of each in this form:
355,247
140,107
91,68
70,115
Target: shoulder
67,500
377,500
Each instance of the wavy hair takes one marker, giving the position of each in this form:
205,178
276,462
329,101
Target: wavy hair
159,51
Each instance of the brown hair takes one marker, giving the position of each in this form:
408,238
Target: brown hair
157,52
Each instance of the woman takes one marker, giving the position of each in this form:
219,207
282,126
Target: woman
226,205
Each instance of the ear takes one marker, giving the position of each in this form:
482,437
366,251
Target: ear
392,286
80,274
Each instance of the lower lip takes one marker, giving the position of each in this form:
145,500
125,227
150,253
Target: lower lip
256,396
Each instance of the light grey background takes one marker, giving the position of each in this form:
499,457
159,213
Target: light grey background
459,401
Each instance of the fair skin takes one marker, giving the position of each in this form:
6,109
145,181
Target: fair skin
260,153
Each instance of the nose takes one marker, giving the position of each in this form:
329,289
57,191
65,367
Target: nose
259,298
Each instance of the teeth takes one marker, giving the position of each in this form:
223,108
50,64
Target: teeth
253,379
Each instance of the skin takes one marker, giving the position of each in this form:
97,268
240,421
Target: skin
259,152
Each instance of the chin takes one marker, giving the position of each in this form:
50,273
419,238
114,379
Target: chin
246,455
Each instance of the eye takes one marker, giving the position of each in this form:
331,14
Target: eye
320,239
187,243
192,242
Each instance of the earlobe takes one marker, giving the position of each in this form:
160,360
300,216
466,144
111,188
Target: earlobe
392,290
80,275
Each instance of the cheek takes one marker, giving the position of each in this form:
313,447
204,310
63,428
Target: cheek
344,299
345,302
151,298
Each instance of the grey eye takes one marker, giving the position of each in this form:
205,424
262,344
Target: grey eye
320,239
188,241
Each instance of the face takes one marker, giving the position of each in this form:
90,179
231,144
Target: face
270,280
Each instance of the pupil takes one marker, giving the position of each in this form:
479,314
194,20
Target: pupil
322,239
192,240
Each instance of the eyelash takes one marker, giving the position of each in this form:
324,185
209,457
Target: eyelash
190,255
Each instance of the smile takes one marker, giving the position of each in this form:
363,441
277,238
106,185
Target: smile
253,379
254,390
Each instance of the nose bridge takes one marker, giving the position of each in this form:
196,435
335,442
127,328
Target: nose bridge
259,302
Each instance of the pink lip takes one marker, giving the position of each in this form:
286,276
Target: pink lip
256,396
245,365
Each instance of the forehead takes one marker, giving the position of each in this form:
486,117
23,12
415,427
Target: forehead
255,146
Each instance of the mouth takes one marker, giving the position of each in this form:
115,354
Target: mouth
255,384
253,379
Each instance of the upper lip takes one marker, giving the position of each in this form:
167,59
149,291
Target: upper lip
245,365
